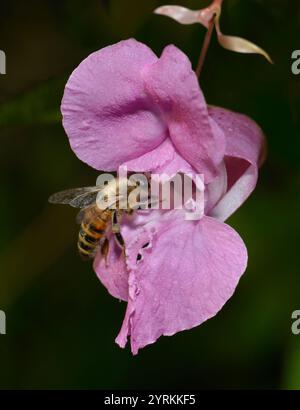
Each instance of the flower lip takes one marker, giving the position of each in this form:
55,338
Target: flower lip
177,287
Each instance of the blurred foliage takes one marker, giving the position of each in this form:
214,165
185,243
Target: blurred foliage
61,322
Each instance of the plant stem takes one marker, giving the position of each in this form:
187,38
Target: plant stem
205,46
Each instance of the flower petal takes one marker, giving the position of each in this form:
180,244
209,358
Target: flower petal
173,85
186,16
180,14
244,151
113,272
179,284
163,159
216,189
107,115
239,45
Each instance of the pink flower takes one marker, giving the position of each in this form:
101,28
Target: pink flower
124,106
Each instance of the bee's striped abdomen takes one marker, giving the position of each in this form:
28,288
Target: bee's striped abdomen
92,230
88,241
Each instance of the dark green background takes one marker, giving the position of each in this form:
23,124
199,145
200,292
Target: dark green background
61,322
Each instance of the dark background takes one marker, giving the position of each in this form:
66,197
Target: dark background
61,322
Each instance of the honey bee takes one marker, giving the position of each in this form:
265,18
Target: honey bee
96,222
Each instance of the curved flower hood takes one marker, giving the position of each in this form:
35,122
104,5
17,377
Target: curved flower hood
123,102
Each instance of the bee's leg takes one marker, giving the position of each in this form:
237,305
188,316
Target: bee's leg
105,250
120,241
116,229
116,220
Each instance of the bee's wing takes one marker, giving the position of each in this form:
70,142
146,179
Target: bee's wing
85,200
78,197
80,215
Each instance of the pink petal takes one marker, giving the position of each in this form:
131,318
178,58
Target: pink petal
180,14
245,142
186,16
163,159
173,85
107,115
216,189
184,278
113,274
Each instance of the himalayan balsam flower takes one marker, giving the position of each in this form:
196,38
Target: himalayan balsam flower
125,106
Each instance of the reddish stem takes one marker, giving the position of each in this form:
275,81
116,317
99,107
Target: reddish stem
218,3
205,45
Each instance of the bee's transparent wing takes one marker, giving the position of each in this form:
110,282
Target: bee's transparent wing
78,197
80,215
85,200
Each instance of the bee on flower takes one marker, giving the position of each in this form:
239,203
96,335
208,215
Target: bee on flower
123,106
